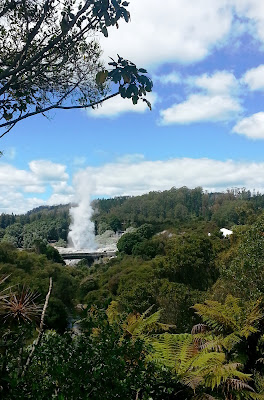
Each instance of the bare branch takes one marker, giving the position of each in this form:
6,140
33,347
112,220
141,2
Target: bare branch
41,329
58,107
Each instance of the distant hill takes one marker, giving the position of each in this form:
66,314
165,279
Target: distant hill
174,208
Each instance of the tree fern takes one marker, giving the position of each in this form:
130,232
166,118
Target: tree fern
217,316
171,350
201,360
113,312
231,317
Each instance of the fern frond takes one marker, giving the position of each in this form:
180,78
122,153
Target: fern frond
237,384
112,312
223,373
147,312
193,381
255,396
199,328
252,318
230,341
212,345
230,316
172,350
218,316
165,327
139,324
205,362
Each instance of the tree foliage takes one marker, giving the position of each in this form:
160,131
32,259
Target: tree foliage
50,60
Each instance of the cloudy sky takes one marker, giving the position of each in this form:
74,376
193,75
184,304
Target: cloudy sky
206,59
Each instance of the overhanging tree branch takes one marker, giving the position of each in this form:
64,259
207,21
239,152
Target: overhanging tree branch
57,107
46,54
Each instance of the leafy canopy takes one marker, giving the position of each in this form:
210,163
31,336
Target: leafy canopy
50,60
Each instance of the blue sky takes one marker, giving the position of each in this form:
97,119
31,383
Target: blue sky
206,128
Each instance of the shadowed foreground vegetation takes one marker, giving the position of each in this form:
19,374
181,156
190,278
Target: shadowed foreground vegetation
177,314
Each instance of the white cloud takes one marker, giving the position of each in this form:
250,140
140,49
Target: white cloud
254,11
34,189
172,77
252,127
176,31
48,171
118,105
132,179
62,188
10,176
217,100
130,158
254,78
183,31
21,190
201,108
220,82
16,202
57,198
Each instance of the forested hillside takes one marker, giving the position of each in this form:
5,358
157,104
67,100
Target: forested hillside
48,223
178,206
174,208
178,312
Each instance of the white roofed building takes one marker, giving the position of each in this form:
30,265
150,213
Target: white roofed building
226,232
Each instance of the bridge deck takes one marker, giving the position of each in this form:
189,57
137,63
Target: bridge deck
94,256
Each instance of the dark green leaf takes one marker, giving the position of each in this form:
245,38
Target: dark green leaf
135,99
101,77
105,31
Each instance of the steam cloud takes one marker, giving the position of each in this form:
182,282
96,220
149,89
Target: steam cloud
81,235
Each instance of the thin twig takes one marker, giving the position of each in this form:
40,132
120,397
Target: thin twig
57,107
41,329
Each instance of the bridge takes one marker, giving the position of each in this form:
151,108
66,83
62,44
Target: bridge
91,257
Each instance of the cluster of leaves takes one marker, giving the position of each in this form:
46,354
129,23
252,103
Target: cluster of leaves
213,359
132,81
190,259
100,363
48,60
242,269
137,242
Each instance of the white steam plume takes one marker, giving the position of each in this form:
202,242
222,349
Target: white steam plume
81,235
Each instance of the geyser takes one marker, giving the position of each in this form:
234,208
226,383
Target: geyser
81,235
